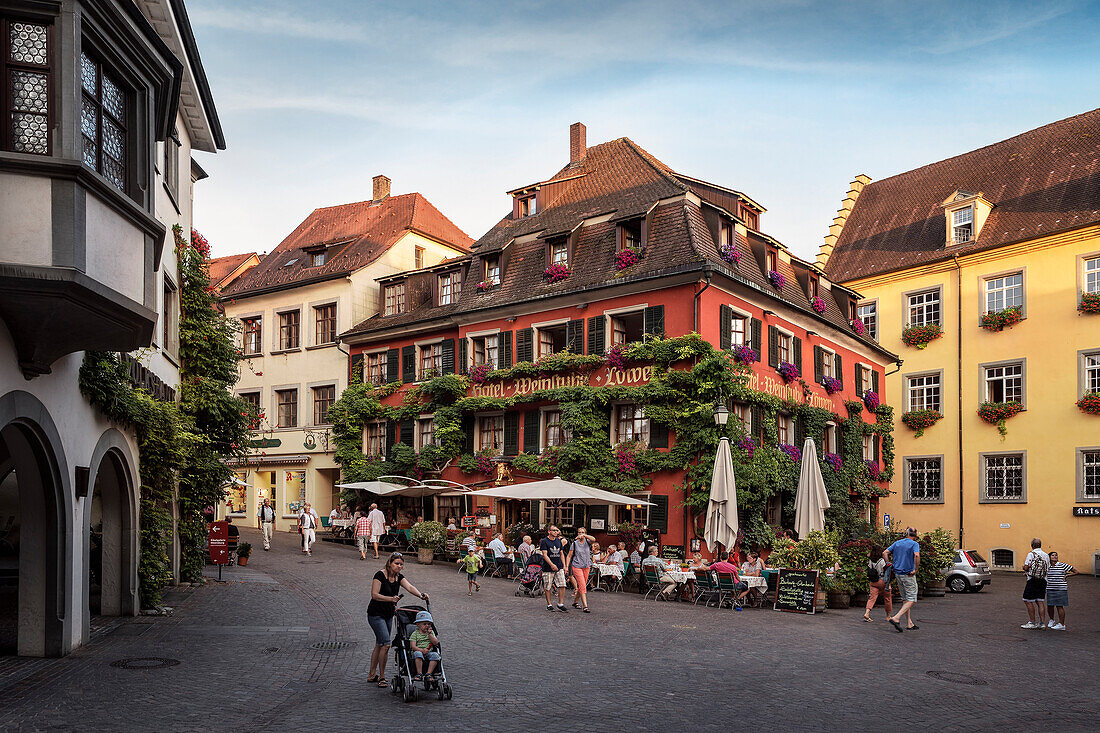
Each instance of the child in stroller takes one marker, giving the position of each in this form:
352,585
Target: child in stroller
530,582
412,620
424,643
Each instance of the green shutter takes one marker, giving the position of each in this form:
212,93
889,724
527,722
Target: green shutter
859,380
408,364
535,505
819,364
531,432
525,346
658,513
468,433
391,437
874,382
596,335
658,435
393,365
574,336
505,346
598,512
654,321
725,317
838,367
511,433
773,347
448,356
799,431
797,353
875,442
463,356
756,344
407,433
757,421
355,369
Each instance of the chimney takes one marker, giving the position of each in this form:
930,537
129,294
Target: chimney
381,188
577,146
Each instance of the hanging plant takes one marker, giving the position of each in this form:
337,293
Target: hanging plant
870,400
745,354
833,460
793,451
818,305
920,420
1002,319
777,279
921,336
625,258
616,356
858,327
788,371
832,385
873,471
995,413
748,445
1090,303
485,286
556,273
479,373
1090,403
729,253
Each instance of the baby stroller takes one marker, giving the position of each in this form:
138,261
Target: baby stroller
403,657
530,581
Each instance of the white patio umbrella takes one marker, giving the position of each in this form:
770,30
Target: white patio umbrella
721,524
236,481
559,491
374,487
812,500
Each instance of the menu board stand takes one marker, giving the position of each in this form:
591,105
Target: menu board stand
796,590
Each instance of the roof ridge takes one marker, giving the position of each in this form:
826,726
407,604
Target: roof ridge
652,161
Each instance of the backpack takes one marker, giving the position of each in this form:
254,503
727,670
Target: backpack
1038,567
872,573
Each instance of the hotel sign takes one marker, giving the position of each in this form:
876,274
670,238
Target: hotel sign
613,377
790,392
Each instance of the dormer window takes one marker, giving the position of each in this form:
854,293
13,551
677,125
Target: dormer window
772,260
725,234
448,288
966,212
630,235
749,217
962,225
316,259
492,269
527,206
559,253
395,299
812,287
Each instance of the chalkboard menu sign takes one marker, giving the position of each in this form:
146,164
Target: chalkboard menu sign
673,552
795,590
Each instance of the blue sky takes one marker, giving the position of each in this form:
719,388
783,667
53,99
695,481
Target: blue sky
784,100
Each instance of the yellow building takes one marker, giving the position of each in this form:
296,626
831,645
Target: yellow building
1010,231
318,283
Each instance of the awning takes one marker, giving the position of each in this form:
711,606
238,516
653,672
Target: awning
293,460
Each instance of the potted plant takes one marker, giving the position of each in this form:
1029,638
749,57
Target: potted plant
427,536
816,551
920,420
1090,403
937,551
244,551
1090,303
995,413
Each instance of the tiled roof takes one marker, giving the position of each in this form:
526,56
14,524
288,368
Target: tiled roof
1043,181
222,267
357,234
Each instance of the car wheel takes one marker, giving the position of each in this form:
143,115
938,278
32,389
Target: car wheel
976,588
957,584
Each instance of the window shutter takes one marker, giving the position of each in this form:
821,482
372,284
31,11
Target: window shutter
658,513
525,345
596,335
819,364
393,364
838,368
725,315
407,433
757,421
875,444
505,346
355,369
391,437
463,356
874,381
531,432
535,505
658,435
408,364
859,380
574,336
654,320
756,344
797,352
468,432
448,356
511,433
799,431
773,347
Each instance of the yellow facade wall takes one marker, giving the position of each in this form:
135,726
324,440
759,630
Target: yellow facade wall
1049,432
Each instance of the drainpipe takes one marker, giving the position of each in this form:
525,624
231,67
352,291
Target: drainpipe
695,308
958,377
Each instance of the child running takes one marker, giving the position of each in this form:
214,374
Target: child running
424,644
473,564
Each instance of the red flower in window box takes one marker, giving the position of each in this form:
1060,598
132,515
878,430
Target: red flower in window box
485,286
556,273
1090,403
1090,303
921,336
832,385
1000,320
788,371
920,420
625,258
858,327
995,413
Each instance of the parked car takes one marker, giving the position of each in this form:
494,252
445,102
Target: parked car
969,573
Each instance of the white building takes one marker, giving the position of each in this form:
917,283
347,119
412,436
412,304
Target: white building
106,102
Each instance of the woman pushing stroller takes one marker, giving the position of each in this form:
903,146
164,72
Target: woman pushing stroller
385,593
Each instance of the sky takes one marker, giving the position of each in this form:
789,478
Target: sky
786,101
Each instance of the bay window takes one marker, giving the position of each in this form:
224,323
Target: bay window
103,122
26,75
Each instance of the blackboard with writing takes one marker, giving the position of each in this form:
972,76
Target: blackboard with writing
673,552
795,590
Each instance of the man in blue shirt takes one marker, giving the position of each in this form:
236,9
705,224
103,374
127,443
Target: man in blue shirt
905,556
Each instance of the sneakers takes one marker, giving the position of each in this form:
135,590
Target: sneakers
1051,624
1058,627
562,608
1031,625
549,607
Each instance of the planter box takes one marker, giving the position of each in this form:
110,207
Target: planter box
425,555
838,600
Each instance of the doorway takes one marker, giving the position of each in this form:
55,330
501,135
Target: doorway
110,530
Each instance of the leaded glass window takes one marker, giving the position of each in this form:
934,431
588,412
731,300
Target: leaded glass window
103,122
25,72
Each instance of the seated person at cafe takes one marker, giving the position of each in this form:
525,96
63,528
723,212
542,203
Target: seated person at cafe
500,552
668,591
470,543
698,563
451,524
615,557
725,566
752,566
636,556
333,516
526,548
597,553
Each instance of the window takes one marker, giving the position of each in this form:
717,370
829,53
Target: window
431,361
812,289
830,367
924,308
551,340
924,392
25,74
771,259
490,433
448,288
1003,477
1088,474
418,257
395,299
725,234
527,206
1002,558
492,270
288,330
253,399
425,432
323,397
630,235
316,259
1092,275
170,327
739,330
1090,372
103,122
868,313
1004,383
744,414
626,328
252,332
785,429
924,480
374,438
633,513
868,447
749,217
486,350
552,432
866,379
1005,291
376,368
287,403
563,515
172,164
962,225
324,318
828,439
559,253
783,342
631,424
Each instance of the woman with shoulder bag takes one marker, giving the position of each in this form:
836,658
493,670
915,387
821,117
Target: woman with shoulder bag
878,580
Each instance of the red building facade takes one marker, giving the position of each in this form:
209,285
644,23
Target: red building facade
591,292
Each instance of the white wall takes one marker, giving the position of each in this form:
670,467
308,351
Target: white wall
26,234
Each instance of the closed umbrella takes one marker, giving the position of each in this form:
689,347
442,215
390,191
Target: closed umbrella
721,524
812,500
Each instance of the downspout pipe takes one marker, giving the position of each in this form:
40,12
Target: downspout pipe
959,378
695,307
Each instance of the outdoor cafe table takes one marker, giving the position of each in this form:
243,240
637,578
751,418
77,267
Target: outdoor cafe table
342,522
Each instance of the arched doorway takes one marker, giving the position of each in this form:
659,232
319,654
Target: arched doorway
111,538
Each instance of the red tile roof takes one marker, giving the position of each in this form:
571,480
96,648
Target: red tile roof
1043,181
222,267
356,235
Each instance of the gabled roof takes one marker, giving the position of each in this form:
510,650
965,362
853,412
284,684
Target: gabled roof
222,269
1041,182
354,235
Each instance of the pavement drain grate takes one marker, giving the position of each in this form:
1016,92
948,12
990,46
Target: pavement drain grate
331,645
1002,637
145,663
957,677
271,650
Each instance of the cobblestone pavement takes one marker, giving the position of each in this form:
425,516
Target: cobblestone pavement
245,662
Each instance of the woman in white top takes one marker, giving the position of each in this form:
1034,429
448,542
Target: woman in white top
876,571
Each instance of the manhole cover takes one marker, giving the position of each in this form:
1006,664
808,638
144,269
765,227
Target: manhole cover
330,645
145,663
957,677
938,623
271,650
310,562
1002,637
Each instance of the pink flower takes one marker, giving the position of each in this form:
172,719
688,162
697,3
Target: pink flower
818,305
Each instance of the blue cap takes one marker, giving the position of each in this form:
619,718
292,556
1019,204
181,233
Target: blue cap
424,616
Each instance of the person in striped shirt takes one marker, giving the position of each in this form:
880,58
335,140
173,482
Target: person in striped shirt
362,535
1058,591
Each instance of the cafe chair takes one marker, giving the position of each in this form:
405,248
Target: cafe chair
653,583
706,588
490,563
727,591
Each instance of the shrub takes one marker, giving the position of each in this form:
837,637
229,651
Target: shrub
428,534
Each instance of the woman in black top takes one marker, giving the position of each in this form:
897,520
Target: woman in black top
384,595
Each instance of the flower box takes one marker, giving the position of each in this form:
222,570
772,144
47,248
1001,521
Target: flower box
1090,403
556,273
788,371
818,305
478,374
793,451
748,445
485,286
728,252
626,257
870,400
1002,319
832,385
833,460
873,469
744,354
1090,303
920,420
858,326
777,279
995,413
921,336
616,356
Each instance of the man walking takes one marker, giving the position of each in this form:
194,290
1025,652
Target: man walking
307,524
362,535
1057,590
377,526
265,520
1036,565
905,555
554,548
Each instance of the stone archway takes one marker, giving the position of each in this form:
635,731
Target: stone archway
111,523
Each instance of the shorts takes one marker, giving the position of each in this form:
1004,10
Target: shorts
1058,598
472,577
382,628
374,538
553,580
1035,590
431,656
740,586
580,575
361,543
907,584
